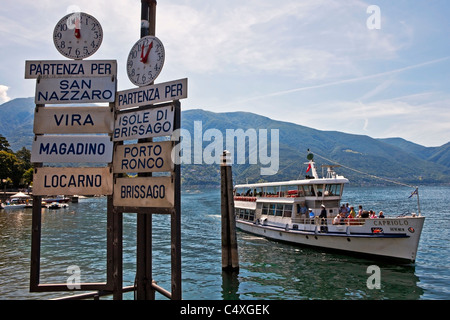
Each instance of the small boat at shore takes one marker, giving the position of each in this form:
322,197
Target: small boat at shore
56,205
18,201
308,212
58,198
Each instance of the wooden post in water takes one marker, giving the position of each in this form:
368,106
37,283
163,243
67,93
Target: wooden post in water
230,258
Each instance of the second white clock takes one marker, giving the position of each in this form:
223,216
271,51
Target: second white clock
145,61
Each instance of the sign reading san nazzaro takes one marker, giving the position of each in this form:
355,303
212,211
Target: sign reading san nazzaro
75,90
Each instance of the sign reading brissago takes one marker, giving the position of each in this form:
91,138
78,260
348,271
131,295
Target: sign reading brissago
144,192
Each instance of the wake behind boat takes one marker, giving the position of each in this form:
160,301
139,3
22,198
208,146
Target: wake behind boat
308,212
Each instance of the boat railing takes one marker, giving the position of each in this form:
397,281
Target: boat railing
330,221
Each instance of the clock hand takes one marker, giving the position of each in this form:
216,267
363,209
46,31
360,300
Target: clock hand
144,60
77,33
142,54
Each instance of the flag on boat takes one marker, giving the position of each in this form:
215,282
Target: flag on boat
414,192
309,167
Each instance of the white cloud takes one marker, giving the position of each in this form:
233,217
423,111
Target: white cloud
4,94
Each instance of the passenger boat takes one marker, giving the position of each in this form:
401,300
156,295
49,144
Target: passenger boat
276,210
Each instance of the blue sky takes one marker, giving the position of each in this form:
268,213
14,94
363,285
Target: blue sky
314,63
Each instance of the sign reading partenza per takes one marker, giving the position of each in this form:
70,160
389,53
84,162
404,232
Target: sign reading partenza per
75,90
155,192
64,148
73,120
72,181
70,68
161,92
155,122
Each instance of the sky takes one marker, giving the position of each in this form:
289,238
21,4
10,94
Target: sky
376,68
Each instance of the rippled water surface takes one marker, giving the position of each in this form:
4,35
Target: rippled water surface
268,269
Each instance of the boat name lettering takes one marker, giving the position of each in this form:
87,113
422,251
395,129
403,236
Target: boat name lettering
382,222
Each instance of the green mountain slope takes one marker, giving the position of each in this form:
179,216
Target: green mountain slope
393,159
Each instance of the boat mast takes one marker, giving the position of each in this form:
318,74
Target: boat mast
311,165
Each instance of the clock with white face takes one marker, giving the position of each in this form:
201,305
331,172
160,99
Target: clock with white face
145,61
77,35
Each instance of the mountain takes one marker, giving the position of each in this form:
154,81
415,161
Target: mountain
393,158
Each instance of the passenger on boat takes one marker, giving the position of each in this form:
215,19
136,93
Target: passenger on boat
372,214
381,215
303,209
351,213
323,214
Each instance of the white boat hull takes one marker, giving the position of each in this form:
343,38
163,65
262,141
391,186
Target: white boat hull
400,244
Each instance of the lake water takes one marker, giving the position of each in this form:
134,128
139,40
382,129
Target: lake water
268,269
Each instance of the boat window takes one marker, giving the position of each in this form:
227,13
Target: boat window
246,214
309,190
272,209
251,215
287,210
265,208
332,190
319,189
279,211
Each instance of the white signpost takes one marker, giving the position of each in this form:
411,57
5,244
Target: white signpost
143,157
162,92
72,181
70,68
147,123
65,148
157,192
64,120
75,90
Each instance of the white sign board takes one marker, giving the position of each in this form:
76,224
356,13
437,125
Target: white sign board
75,90
168,91
72,181
73,120
143,157
64,148
70,68
154,192
155,122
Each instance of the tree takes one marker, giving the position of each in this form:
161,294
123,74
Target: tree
4,144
